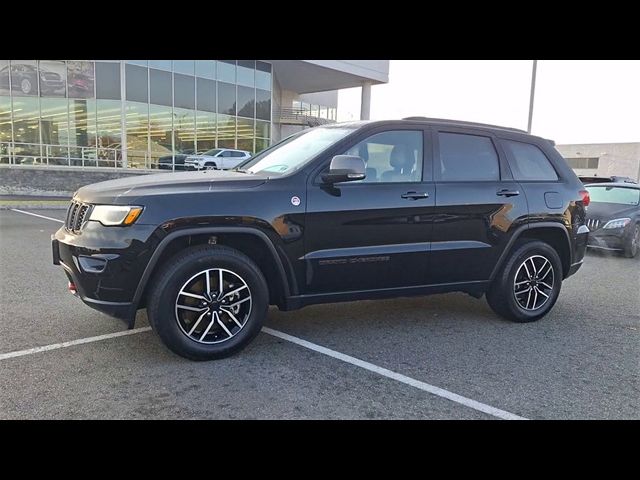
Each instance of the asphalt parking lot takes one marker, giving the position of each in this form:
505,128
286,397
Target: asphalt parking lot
582,361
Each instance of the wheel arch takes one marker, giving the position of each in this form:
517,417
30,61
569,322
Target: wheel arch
252,242
552,233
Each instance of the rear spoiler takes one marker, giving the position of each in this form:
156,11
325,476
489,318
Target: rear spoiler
553,144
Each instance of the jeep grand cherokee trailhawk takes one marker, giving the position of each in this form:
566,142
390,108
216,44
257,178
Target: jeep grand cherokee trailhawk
361,210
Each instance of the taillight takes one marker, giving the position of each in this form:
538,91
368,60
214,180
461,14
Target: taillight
586,199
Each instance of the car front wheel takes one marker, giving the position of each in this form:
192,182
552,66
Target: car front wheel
632,245
208,302
527,286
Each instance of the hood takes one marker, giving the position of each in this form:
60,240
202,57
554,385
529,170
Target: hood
604,210
126,190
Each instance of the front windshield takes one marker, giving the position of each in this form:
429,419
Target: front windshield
212,153
620,195
295,151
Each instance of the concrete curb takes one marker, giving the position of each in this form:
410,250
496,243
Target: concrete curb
20,205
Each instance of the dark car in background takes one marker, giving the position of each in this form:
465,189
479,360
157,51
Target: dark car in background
167,162
25,78
613,216
586,179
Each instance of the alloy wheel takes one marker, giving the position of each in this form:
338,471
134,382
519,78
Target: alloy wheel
533,283
213,306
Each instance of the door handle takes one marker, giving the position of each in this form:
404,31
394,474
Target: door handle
505,192
415,195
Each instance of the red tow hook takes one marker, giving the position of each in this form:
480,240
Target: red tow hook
72,288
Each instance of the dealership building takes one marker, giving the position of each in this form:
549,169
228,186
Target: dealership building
603,159
131,113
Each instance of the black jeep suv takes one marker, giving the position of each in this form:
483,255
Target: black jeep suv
349,211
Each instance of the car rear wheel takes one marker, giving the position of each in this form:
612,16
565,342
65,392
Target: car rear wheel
632,245
208,302
528,284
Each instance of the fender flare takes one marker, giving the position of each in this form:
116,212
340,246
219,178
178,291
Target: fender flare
150,268
517,234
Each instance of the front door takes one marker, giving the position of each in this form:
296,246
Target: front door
374,233
478,206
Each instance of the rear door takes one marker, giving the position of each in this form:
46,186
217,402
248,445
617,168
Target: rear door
237,157
478,205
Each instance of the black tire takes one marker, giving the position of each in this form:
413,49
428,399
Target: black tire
161,307
632,245
210,166
501,295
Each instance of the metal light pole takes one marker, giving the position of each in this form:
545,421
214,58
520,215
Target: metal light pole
533,91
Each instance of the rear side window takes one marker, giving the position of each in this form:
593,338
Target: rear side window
237,154
467,158
528,162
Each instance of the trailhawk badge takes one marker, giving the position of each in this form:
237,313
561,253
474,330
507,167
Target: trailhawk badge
295,201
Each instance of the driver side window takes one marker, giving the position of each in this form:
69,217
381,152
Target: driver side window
393,156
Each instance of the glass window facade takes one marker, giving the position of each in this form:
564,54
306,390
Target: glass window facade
130,113
263,75
226,71
246,73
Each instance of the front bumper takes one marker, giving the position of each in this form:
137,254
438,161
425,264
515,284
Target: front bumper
608,238
105,276
122,310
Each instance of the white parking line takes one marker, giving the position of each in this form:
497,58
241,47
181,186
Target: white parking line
440,392
36,215
55,346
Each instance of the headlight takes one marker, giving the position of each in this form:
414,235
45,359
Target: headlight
115,214
617,223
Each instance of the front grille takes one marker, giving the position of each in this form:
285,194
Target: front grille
76,216
593,224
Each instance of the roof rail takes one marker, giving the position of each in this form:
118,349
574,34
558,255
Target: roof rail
461,122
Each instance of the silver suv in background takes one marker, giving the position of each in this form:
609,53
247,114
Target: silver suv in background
216,159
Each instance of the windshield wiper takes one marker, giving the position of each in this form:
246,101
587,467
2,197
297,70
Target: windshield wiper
243,171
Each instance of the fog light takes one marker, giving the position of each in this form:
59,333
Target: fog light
72,288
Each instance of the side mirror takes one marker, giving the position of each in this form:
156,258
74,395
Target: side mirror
345,168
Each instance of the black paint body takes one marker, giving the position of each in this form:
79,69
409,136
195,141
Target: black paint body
342,242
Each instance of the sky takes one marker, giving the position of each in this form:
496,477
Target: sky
575,101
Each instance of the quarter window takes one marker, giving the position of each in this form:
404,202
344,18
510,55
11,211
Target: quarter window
528,162
466,157
394,156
